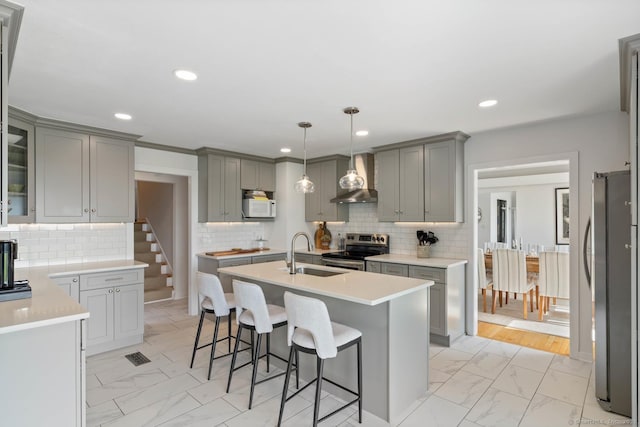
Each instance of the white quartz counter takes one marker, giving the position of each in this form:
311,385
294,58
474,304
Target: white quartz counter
49,304
250,254
355,286
413,260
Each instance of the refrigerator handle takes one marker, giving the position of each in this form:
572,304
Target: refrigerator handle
585,255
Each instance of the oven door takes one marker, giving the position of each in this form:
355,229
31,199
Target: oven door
343,263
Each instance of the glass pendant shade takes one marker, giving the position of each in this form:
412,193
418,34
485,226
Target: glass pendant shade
304,184
351,181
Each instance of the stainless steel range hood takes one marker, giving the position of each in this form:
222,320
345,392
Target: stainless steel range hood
364,164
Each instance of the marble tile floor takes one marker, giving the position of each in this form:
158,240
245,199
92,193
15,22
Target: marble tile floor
475,382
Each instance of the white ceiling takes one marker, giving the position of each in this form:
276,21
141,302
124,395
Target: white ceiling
415,68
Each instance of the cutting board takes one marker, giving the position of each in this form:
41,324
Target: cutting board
236,252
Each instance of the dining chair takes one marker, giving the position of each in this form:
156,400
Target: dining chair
484,282
510,275
553,279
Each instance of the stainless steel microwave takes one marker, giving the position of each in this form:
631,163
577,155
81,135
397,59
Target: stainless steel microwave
252,208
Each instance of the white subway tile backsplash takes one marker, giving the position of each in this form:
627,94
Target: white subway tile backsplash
50,244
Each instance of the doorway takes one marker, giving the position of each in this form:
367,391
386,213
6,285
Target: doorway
519,213
163,200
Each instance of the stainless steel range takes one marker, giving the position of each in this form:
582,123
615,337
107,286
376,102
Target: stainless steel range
358,247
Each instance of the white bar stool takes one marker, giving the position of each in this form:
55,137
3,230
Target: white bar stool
213,300
310,330
253,313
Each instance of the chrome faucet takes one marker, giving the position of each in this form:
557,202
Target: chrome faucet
292,264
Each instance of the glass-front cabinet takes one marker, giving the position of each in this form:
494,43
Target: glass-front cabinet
20,165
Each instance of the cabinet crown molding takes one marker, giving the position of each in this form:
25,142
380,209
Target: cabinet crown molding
628,47
457,136
226,153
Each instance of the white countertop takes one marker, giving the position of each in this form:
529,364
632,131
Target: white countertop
355,286
49,304
414,260
316,251
250,254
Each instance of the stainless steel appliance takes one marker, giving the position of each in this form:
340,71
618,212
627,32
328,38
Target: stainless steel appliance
8,253
611,282
358,246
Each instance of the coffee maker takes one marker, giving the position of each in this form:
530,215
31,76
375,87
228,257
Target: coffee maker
8,253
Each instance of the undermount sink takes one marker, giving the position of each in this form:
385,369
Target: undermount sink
316,272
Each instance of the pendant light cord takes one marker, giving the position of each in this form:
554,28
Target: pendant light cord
305,151
351,135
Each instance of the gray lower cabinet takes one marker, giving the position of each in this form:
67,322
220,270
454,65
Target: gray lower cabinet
211,265
83,178
115,301
308,258
219,194
69,284
446,300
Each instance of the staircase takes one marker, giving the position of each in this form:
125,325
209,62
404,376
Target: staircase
158,276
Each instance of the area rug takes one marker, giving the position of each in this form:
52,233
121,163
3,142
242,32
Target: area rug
555,322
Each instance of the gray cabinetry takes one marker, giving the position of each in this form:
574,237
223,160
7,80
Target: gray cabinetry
70,285
325,173
400,185
220,197
211,265
268,258
83,178
115,301
443,181
422,180
20,170
446,300
308,258
257,175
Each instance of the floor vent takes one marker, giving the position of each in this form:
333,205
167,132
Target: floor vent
137,358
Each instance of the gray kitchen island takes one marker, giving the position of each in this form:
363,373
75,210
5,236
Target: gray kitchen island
391,312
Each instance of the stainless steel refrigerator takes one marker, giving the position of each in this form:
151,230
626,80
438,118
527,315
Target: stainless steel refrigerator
611,284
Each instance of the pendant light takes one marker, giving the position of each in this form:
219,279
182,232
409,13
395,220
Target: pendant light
304,184
351,181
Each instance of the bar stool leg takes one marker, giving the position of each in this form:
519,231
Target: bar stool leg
268,350
359,347
286,384
213,346
255,369
316,404
195,346
229,331
235,354
297,372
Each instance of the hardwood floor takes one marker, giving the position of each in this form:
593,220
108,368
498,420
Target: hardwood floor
539,341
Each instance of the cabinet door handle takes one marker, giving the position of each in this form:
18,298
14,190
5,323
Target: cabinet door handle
110,291
86,210
93,210
117,289
75,280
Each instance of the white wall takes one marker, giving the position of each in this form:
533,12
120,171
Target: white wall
597,142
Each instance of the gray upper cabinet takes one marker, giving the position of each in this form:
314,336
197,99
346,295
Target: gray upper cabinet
83,178
443,181
21,171
400,184
257,175
325,173
422,180
220,196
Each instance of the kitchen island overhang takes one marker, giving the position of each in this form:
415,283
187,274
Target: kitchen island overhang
391,312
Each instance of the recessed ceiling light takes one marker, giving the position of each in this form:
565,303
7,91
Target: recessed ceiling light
362,133
122,116
285,150
185,75
488,103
